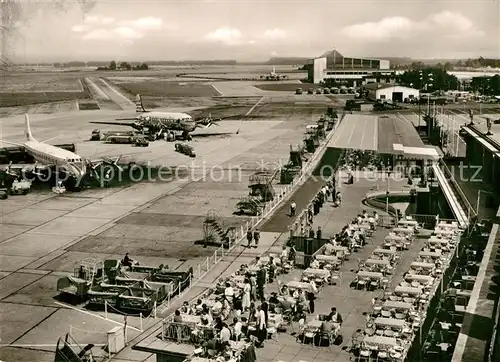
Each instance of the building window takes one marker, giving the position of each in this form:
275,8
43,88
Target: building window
382,96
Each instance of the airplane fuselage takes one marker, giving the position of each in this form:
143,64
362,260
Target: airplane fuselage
49,155
168,120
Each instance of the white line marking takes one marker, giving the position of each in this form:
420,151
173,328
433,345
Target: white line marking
38,345
94,315
217,90
255,105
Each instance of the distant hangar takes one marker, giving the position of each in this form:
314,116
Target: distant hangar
390,92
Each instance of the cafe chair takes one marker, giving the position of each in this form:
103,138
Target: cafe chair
382,356
361,284
364,355
335,278
272,333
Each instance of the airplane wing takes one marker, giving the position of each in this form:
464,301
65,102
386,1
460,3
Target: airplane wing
130,124
212,134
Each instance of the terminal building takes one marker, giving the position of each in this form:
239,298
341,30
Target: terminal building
333,65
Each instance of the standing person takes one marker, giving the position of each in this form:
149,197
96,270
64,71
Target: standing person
293,208
245,303
311,297
249,238
319,233
256,237
253,284
261,281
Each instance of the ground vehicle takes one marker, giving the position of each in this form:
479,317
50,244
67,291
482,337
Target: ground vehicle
334,90
326,91
141,141
185,149
298,91
3,194
20,187
96,135
310,91
119,137
319,91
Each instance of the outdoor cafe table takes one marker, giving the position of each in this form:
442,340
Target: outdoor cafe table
446,232
299,285
380,341
404,230
376,262
445,225
190,319
318,273
384,251
389,304
430,254
395,238
389,322
418,264
434,240
418,278
369,274
408,223
408,290
314,324
327,258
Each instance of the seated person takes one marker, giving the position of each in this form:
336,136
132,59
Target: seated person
326,328
186,309
225,335
273,299
237,326
127,261
217,307
177,316
315,264
334,316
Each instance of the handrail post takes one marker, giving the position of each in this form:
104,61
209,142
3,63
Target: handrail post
140,320
106,309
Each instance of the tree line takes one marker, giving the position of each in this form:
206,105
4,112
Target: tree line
124,66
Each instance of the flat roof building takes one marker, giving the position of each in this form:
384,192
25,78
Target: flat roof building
333,65
390,92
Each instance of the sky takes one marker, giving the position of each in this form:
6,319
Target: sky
142,30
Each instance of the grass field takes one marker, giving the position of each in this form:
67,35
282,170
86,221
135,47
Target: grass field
41,82
169,89
23,99
285,87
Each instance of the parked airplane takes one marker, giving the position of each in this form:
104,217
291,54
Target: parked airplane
274,76
157,122
67,162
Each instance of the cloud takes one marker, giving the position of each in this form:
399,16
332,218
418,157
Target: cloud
127,33
79,28
147,23
98,20
120,33
228,36
444,24
275,34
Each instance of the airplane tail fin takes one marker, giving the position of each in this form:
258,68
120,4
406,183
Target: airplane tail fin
29,136
139,107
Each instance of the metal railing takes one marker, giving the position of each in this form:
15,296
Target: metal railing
462,198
